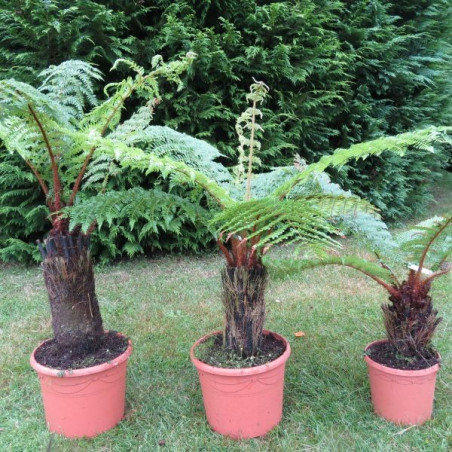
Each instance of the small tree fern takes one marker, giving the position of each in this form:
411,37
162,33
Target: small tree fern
409,318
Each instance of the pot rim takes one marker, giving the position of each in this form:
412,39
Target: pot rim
201,366
71,373
394,371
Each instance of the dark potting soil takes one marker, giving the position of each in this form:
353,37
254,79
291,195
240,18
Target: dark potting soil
111,346
213,353
386,354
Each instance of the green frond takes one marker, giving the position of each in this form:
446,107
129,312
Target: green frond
159,211
432,237
165,142
135,158
288,266
272,221
107,115
341,205
15,97
399,144
71,84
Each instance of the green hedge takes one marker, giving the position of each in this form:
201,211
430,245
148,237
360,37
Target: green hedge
340,72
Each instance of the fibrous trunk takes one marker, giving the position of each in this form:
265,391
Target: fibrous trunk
243,299
410,320
69,278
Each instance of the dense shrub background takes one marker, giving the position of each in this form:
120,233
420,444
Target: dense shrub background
339,72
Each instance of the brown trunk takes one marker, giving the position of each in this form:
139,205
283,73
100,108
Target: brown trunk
243,299
410,320
69,278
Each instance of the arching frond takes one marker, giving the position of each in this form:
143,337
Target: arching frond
399,144
369,268
431,239
270,221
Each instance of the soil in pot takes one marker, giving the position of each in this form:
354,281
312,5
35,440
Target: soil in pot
386,354
108,347
213,352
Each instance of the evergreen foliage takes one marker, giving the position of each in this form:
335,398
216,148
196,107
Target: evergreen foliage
23,214
36,34
342,72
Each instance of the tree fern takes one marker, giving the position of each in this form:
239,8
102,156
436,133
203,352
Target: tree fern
423,138
409,317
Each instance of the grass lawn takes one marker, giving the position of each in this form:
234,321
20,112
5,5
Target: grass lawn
165,304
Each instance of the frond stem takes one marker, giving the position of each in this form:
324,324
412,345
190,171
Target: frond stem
78,181
435,275
426,249
226,253
56,176
41,182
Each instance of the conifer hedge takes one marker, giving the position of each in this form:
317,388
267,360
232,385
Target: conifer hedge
340,72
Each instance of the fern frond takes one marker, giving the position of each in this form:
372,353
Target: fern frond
341,205
431,238
160,210
135,158
369,268
272,221
399,144
165,142
70,84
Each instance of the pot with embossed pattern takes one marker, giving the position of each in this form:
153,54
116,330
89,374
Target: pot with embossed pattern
243,402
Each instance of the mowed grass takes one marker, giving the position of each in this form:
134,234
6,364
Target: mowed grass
165,304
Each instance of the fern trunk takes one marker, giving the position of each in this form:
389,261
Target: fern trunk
69,279
243,299
410,320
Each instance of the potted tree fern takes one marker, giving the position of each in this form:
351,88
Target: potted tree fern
82,370
402,368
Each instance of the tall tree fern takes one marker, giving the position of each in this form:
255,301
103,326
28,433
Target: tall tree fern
57,138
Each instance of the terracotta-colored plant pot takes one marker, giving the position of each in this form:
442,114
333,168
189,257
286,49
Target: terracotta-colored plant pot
401,396
242,403
83,402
